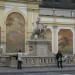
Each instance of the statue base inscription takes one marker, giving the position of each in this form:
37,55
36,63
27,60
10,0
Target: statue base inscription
40,47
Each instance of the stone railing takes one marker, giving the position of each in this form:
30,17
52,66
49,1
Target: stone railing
29,61
34,61
41,61
38,61
4,61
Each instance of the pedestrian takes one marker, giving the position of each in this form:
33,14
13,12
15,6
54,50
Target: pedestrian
59,59
19,60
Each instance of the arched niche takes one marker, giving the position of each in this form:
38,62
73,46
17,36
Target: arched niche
15,32
65,41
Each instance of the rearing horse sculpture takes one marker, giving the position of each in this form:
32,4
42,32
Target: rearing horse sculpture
39,31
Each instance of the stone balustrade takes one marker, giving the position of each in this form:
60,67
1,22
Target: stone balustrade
29,61
38,61
4,60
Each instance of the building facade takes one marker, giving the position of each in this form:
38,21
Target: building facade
18,20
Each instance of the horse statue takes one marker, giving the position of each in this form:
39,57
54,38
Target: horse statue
39,32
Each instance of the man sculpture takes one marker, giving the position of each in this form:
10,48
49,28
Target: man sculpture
39,31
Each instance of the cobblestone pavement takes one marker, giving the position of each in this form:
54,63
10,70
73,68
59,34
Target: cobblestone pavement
46,73
38,71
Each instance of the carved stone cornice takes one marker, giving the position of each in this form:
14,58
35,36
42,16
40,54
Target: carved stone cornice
18,1
22,1
33,4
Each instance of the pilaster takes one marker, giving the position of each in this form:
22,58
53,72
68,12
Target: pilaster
74,41
54,40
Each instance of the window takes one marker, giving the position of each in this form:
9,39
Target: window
57,0
73,1
47,1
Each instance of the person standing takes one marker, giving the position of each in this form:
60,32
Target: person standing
59,59
19,58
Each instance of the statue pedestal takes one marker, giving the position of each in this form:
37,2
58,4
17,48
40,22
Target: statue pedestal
40,47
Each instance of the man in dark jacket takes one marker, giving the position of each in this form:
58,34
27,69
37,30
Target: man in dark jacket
59,59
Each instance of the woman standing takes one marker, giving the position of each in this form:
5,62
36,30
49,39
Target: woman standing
19,58
59,59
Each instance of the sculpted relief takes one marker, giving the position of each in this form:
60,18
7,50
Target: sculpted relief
15,32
